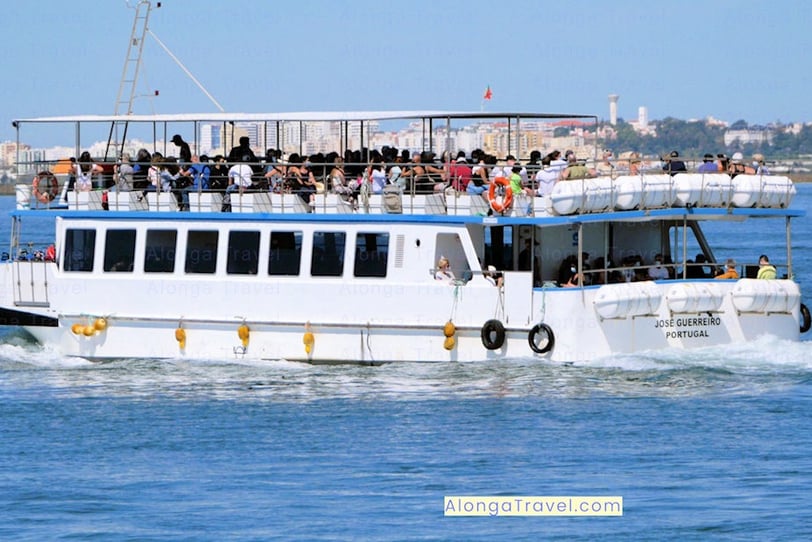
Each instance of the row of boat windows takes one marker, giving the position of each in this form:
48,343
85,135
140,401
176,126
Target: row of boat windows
242,255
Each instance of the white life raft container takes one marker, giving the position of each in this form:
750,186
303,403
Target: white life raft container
702,189
759,295
627,299
689,297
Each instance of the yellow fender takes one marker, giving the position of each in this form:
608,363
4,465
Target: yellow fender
180,336
449,330
308,339
244,333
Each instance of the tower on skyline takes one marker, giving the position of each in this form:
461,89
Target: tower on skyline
613,98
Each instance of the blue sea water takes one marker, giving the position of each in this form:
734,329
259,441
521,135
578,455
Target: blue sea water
708,444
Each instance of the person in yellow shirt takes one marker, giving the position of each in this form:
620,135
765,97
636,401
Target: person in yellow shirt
730,270
765,269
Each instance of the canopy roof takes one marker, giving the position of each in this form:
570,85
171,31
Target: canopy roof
310,116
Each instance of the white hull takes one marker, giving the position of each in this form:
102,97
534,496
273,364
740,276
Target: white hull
587,324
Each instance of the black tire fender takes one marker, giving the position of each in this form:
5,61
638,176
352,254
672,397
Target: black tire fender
493,334
806,319
541,339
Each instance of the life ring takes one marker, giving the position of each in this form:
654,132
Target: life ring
46,187
541,339
806,319
500,195
493,334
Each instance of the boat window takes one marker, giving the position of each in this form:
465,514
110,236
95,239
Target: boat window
328,254
286,253
119,250
160,251
371,254
243,253
449,246
201,251
80,246
499,247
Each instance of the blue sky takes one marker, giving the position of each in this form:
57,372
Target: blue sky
745,59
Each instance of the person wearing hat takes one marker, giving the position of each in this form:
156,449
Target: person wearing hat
494,277
605,167
758,164
737,166
730,270
671,165
707,165
185,152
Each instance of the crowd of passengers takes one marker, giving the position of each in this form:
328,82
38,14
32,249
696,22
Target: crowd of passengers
348,175
633,268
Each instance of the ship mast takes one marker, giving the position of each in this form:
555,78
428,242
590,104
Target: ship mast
129,75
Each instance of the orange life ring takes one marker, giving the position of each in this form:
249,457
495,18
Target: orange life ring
46,186
500,195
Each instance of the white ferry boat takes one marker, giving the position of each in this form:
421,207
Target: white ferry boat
560,278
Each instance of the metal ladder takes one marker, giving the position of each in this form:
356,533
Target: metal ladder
132,63
129,76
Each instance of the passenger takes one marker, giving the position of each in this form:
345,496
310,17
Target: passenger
239,179
84,169
730,270
605,167
420,175
154,173
241,151
658,272
576,170
123,174
443,272
671,165
516,183
302,180
273,172
184,150
199,173
170,176
569,265
494,277
571,277
634,163
510,167
479,178
695,268
758,164
765,269
377,177
338,183
395,171
534,165
218,176
140,169
707,165
737,166
546,177
722,163
459,173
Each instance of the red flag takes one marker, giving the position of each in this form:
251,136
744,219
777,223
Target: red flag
488,94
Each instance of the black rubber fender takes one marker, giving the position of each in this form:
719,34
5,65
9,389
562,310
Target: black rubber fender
541,339
806,319
493,334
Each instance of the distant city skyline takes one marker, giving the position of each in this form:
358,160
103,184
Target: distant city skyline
748,62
